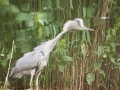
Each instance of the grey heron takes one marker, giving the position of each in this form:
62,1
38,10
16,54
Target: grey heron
33,62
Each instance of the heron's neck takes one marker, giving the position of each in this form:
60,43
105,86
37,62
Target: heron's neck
54,41
59,35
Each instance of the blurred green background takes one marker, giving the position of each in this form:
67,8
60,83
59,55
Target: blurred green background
81,60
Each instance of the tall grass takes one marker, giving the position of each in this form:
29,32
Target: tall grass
81,60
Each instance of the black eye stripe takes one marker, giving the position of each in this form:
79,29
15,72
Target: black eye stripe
76,20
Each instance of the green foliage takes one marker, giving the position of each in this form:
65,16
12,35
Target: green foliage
30,22
97,65
102,73
90,78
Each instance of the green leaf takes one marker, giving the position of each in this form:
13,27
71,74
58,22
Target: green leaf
90,77
62,65
6,2
46,30
67,58
14,9
118,63
112,60
108,49
62,68
90,12
1,39
88,37
88,69
31,23
97,65
4,63
45,17
9,56
58,4
26,46
113,45
102,72
24,35
52,66
104,55
100,50
83,36
54,29
114,32
71,4
22,16
62,42
49,4
84,12
25,6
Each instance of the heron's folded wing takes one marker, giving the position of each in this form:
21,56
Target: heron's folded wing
28,61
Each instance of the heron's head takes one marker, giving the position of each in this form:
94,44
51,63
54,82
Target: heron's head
76,24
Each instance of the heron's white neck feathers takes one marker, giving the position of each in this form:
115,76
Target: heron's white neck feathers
51,43
76,24
59,35
70,25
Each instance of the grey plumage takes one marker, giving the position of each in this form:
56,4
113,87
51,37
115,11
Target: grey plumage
29,61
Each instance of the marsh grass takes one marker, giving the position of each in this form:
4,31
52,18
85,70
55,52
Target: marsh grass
81,60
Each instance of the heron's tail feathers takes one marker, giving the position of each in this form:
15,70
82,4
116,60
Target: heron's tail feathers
15,75
12,72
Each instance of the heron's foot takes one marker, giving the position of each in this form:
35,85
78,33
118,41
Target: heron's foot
31,88
37,87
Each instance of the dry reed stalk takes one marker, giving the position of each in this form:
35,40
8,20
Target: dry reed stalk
6,79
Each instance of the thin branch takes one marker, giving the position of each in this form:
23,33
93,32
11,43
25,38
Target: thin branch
6,79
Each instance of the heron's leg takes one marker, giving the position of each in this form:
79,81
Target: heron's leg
37,76
24,82
31,79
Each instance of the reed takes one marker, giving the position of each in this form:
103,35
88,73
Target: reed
81,60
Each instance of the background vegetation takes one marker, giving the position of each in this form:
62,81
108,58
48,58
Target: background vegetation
81,60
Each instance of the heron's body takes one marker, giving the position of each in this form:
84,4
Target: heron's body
26,63
33,62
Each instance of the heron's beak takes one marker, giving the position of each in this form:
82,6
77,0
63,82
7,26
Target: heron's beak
90,29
